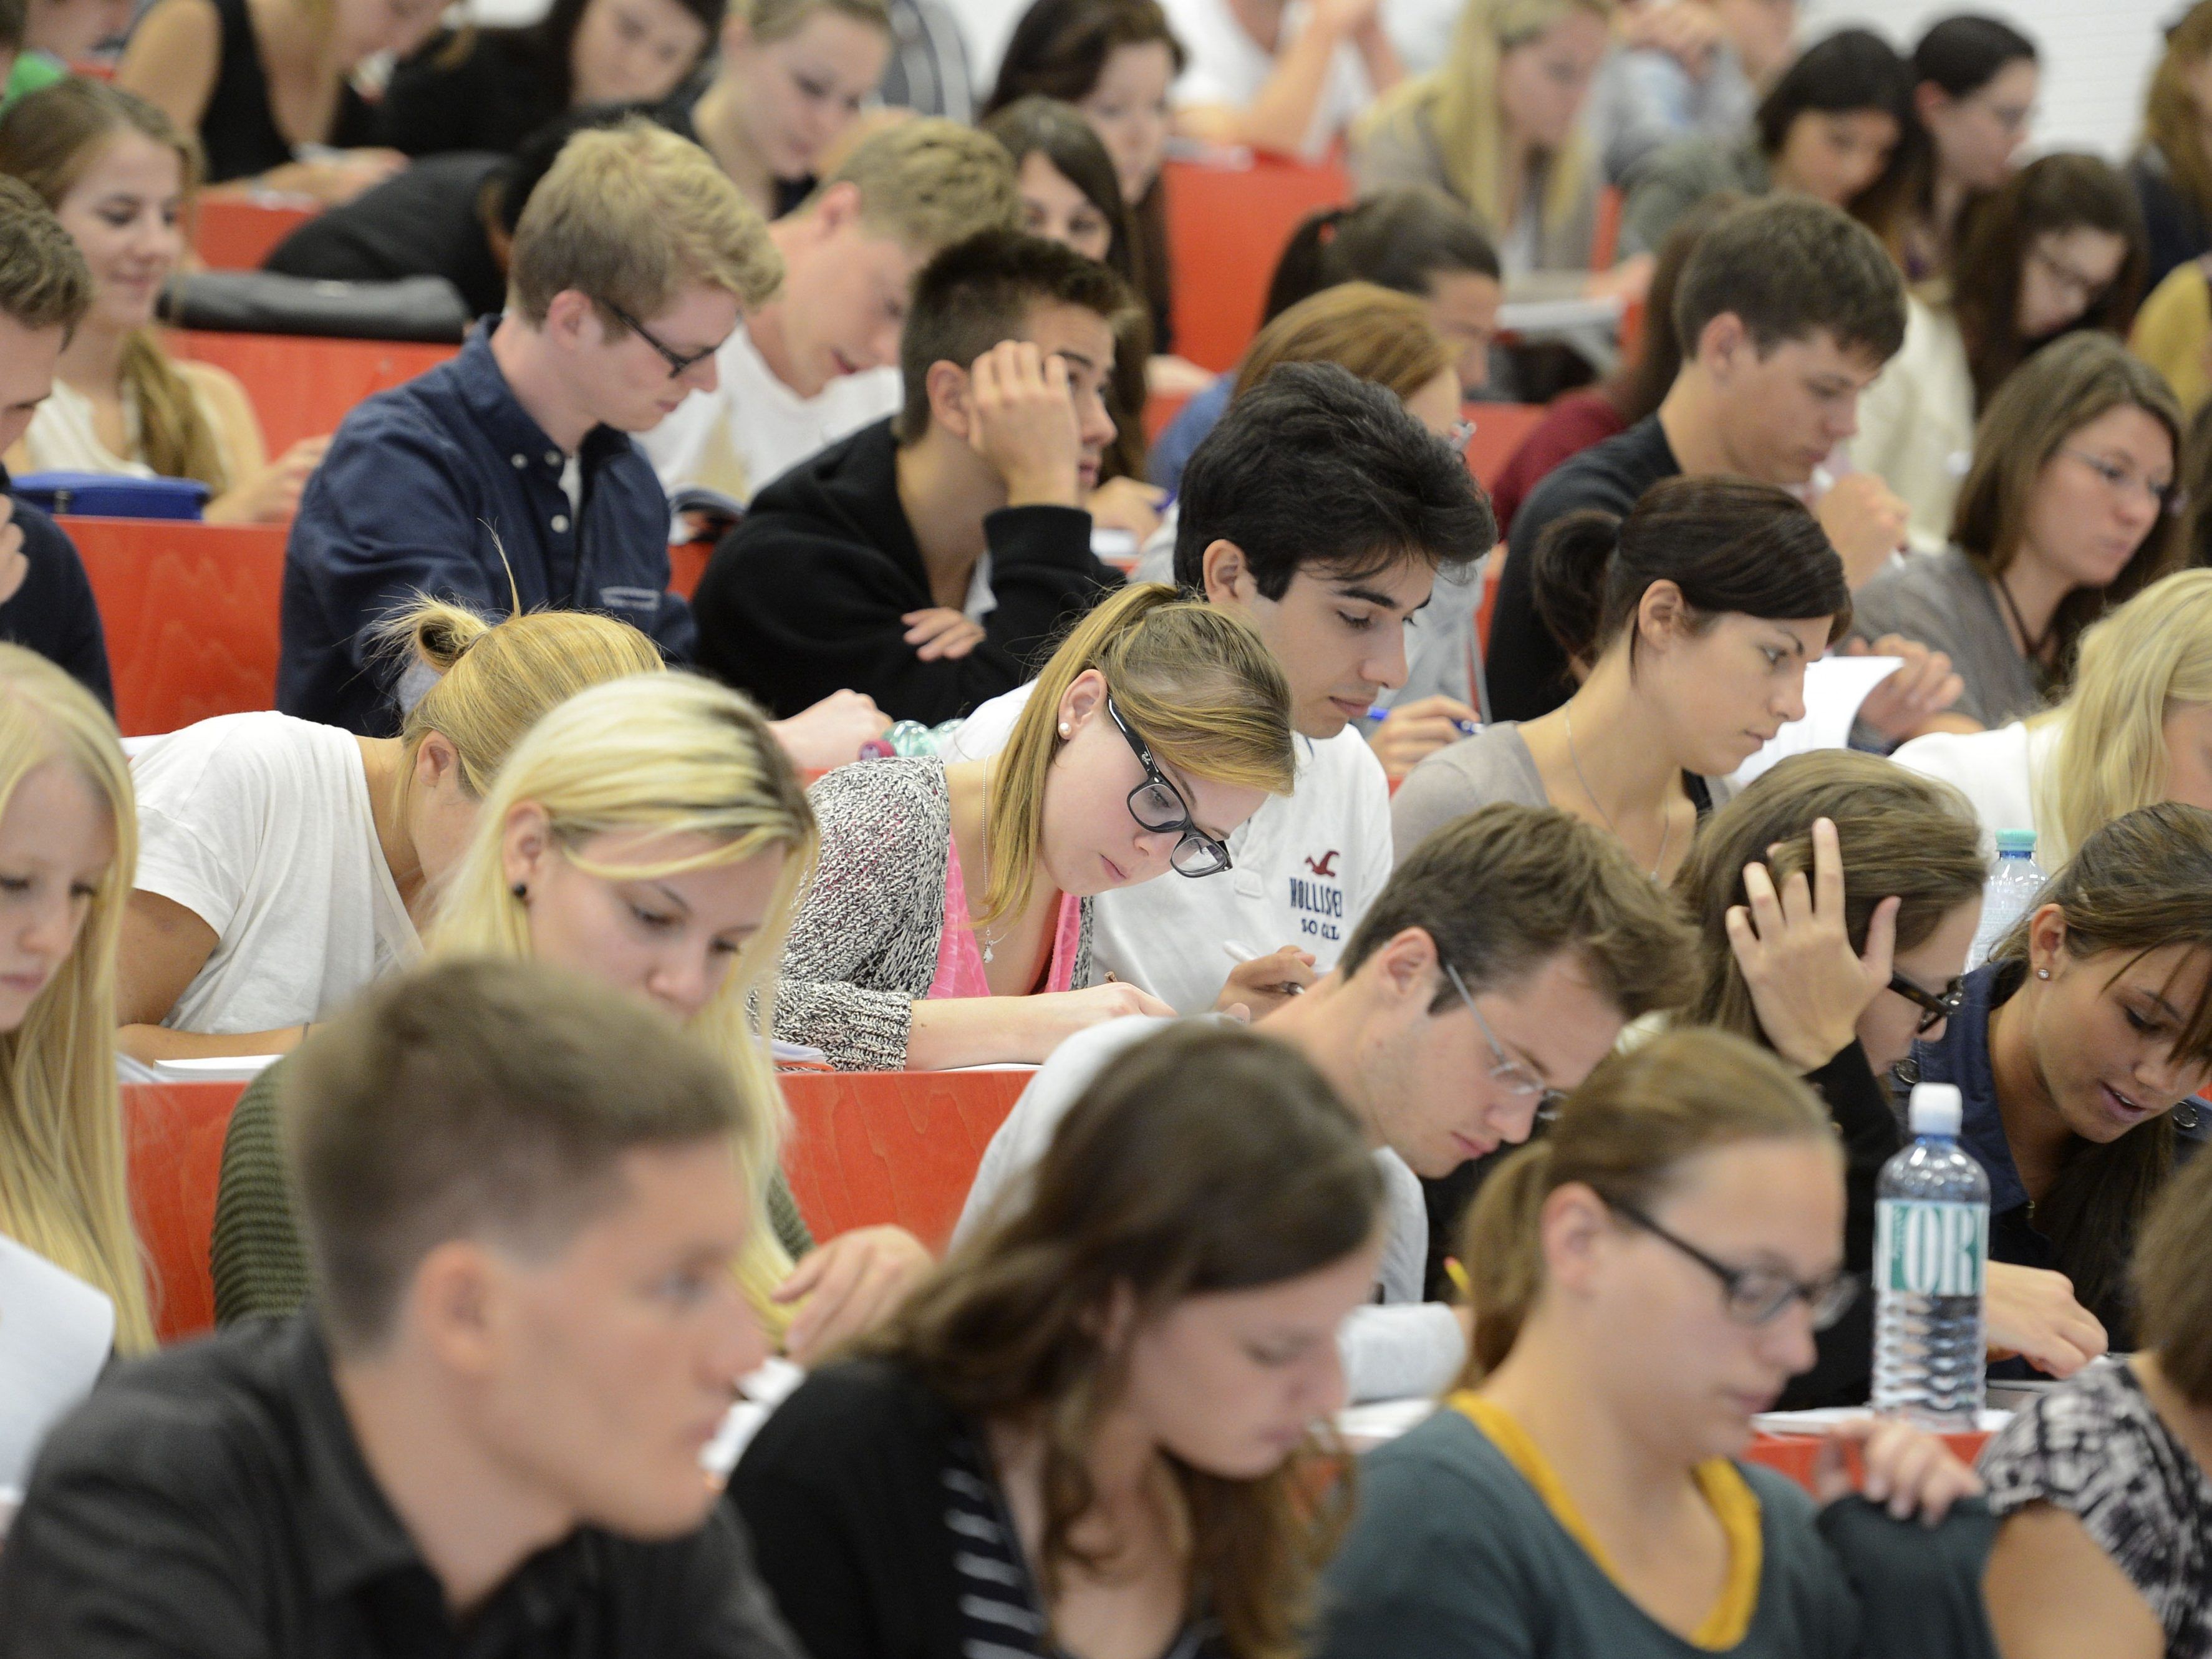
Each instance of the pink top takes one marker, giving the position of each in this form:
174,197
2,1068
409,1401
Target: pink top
960,957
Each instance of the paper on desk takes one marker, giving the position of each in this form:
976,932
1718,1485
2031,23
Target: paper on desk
1379,1421
1834,689
55,1334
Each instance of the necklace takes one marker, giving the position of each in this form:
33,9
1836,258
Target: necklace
1666,829
2033,646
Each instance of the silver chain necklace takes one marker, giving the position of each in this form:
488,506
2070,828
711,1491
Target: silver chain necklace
1666,829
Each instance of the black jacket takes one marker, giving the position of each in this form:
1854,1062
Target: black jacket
806,596
53,612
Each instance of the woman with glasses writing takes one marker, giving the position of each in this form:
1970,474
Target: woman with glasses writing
2066,512
1646,1279
949,921
1835,899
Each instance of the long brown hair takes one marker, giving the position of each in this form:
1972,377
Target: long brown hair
1902,836
1634,1122
2171,1288
1207,1159
2172,124
48,140
2141,883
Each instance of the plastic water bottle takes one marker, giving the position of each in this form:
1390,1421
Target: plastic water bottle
1930,1257
2014,881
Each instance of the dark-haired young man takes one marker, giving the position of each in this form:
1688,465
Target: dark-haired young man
1321,511
928,560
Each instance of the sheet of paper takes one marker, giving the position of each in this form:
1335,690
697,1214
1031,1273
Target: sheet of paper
1834,689
55,1334
1820,1421
213,1068
759,1393
1371,1425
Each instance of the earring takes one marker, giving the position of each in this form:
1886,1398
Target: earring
2042,973
521,891
1065,729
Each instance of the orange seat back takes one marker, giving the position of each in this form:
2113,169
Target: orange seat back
1227,226
1499,429
231,233
872,1148
302,385
687,562
174,1133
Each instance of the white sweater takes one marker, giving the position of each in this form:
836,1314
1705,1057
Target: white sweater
1997,772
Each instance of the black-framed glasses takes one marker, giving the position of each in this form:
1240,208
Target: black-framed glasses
1158,806
1505,1071
1753,1296
679,362
1935,1006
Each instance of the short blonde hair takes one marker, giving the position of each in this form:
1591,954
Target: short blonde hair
630,215
930,183
779,20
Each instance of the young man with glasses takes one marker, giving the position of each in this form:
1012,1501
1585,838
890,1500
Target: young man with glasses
1496,968
508,477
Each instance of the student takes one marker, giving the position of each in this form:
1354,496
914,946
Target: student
1413,240
507,477
2078,1045
57,34
949,923
926,560
1836,898
1833,128
1975,79
1786,311
816,361
1096,1430
1277,77
269,89
1115,60
2057,248
1496,968
46,602
1700,76
522,1204
791,77
475,88
1715,592
1497,128
120,179
1321,513
2172,333
2065,513
2105,1541
1648,1277
649,837
2135,728
68,839
2172,170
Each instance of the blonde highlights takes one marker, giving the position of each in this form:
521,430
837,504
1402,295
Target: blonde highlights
1194,681
770,21
64,1191
928,182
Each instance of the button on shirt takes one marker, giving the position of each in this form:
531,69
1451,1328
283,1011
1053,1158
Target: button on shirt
212,1501
424,487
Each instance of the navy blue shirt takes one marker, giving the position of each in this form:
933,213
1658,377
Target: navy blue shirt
423,489
53,612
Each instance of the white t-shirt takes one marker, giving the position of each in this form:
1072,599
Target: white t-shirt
1226,66
752,426
259,824
1404,1347
1997,771
1304,869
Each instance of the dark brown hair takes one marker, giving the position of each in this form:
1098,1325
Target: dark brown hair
1401,239
2174,1292
1206,1160
1790,267
1849,72
44,280
1638,387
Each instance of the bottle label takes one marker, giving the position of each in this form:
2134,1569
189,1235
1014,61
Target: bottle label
1924,1248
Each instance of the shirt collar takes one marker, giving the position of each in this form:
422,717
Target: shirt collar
1962,1058
511,427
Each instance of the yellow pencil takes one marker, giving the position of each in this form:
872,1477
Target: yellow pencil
1459,1279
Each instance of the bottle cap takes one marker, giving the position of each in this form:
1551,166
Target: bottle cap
2019,842
1938,1109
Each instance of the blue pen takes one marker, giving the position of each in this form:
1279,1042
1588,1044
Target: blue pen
1377,714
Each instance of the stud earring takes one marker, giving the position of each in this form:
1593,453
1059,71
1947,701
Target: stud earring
520,890
2042,973
1065,729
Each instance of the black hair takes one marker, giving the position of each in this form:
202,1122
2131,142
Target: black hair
1964,53
1401,239
1037,126
1315,466
1852,70
1788,267
1731,546
13,18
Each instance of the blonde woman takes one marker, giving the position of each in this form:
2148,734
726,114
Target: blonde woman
949,924
2136,729
285,865
120,177
792,76
68,840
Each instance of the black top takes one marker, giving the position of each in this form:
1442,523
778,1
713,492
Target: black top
500,91
53,612
2175,226
804,596
238,129
212,1502
420,223
1525,667
676,116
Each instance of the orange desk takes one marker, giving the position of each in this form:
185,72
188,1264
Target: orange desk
302,385
1794,1454
1227,226
173,1133
237,233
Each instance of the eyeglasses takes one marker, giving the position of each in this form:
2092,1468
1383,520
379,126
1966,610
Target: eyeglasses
1158,806
1753,1296
1935,1006
2167,498
2080,285
1505,1071
679,362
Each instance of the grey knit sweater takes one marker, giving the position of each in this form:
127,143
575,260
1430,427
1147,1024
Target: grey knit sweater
862,947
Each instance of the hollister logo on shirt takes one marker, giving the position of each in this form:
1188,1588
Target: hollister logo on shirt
1324,865
1319,900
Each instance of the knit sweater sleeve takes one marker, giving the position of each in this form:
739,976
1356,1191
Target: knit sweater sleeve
258,1263
863,946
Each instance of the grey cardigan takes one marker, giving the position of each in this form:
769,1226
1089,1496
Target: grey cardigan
1945,602
863,946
